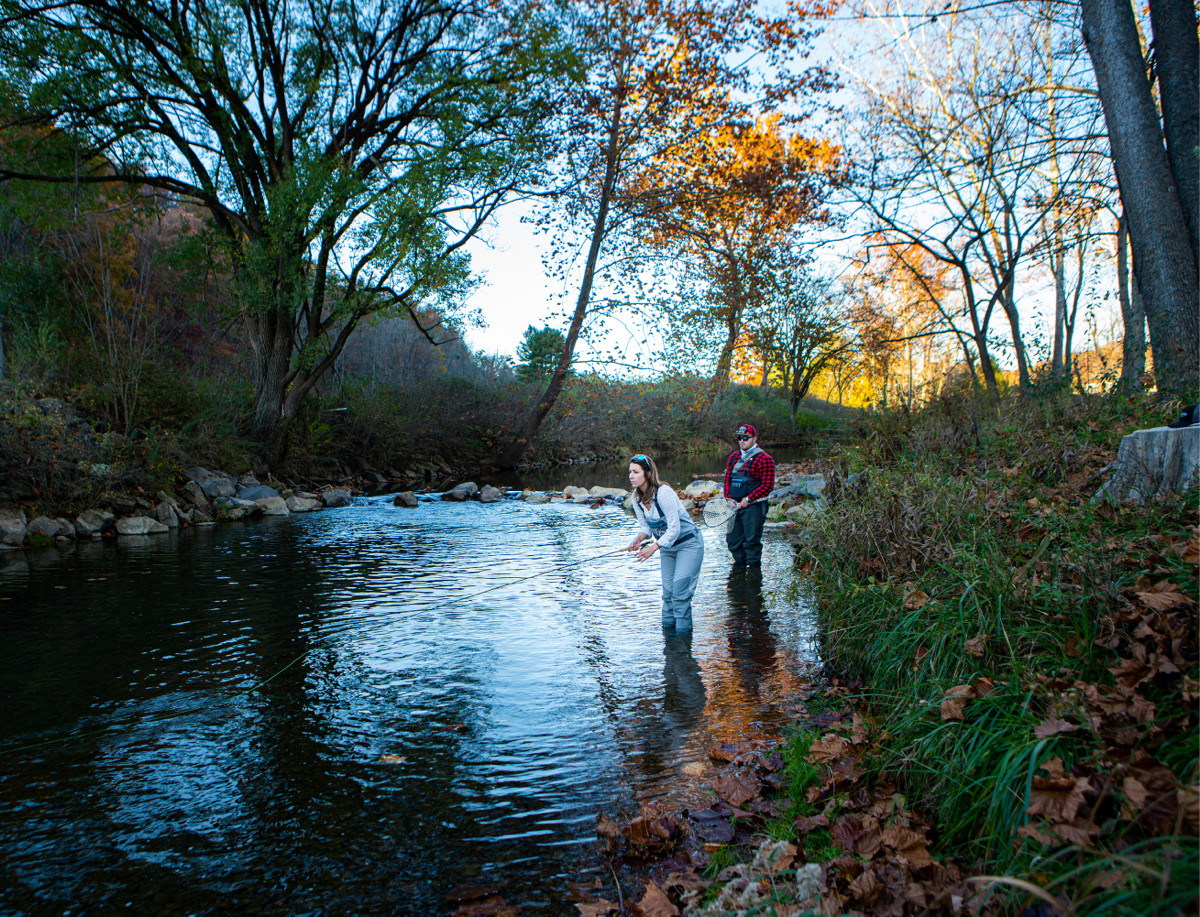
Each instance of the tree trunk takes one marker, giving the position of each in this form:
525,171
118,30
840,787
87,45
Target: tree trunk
1133,343
271,343
1163,258
510,455
1060,305
1177,54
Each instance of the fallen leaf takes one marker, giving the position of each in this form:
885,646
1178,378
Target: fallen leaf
1135,797
655,903
392,759
598,908
976,646
866,888
1191,552
1057,798
908,844
737,791
1053,726
1163,596
956,700
915,600
827,749
1053,767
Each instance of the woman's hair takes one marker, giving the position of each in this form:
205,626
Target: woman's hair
652,483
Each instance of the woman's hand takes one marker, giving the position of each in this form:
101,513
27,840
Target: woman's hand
637,540
647,550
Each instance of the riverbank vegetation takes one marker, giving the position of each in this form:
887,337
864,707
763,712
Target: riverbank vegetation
1027,658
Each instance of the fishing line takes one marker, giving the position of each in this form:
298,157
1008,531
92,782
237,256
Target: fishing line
321,644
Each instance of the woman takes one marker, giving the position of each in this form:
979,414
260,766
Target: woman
665,529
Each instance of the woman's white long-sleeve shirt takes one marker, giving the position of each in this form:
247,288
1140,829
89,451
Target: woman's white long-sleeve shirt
673,512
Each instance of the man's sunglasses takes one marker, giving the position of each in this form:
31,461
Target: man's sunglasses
745,437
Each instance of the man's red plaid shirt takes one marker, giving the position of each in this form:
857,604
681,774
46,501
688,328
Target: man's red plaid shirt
761,467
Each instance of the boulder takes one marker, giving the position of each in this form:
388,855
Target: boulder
333,498
122,504
573,493
248,480
214,484
12,526
43,528
298,504
407,499
193,494
140,525
462,492
599,492
92,522
274,506
558,500
490,494
231,508
702,489
687,504
255,491
1153,462
165,513
164,497
531,496
66,530
202,515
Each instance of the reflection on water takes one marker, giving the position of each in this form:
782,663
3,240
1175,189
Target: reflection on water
330,713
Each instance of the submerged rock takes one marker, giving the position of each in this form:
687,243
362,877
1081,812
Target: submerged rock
490,494
407,499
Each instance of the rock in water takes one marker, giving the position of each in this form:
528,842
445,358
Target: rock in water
140,525
12,526
334,498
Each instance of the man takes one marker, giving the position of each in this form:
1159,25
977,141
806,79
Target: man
749,478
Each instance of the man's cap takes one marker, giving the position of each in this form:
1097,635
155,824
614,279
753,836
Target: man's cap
1187,417
747,430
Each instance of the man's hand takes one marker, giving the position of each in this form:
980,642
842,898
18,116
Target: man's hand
745,501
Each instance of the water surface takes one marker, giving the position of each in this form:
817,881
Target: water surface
328,713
